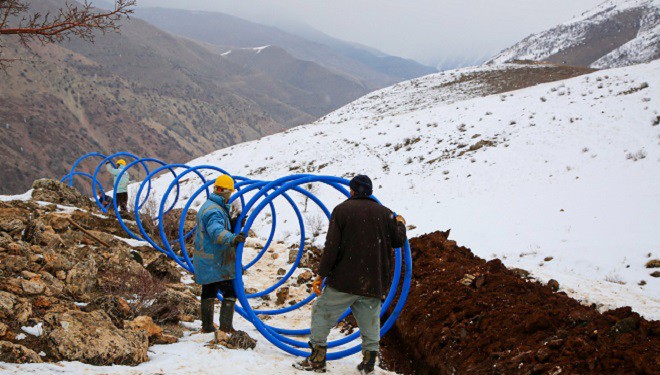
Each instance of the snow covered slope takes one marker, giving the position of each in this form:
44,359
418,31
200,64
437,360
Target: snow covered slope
616,33
561,179
565,170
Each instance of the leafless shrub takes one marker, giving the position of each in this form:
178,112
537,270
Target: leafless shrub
613,277
315,224
139,288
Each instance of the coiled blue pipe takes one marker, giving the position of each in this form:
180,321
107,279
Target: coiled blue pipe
263,194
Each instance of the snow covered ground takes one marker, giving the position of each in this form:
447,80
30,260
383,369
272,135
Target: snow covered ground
567,170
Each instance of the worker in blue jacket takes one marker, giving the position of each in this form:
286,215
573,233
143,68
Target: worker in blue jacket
215,255
122,186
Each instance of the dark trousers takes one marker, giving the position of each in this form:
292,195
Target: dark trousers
122,200
225,287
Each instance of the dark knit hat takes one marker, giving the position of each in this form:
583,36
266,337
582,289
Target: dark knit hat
361,185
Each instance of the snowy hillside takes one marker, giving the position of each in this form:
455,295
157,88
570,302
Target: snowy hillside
561,179
614,34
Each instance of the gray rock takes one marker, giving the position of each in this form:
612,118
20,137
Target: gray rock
10,225
92,338
14,353
22,312
57,192
15,263
33,286
82,278
7,301
292,255
305,277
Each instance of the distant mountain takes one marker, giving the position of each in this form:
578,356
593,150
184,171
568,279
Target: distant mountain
614,34
391,65
151,93
371,68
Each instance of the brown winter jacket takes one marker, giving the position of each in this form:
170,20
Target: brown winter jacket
357,258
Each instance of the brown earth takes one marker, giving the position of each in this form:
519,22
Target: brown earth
466,315
530,73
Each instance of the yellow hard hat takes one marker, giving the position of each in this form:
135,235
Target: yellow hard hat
121,162
224,181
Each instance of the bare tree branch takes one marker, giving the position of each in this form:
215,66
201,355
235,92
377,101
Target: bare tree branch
72,20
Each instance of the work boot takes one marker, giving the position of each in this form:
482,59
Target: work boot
368,362
227,315
316,361
207,315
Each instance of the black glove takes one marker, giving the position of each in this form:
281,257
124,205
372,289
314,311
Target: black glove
238,239
234,221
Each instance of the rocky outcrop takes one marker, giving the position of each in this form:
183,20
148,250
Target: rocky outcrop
14,353
93,338
80,291
59,193
155,332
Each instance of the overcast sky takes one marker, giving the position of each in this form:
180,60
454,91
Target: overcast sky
428,31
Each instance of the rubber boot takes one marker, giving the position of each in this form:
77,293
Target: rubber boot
227,315
207,315
316,361
368,362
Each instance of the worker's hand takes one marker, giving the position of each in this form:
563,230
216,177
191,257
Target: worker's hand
238,239
244,221
316,285
401,220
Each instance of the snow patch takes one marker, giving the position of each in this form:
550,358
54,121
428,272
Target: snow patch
34,331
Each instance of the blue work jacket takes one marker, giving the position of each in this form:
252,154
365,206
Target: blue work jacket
215,257
122,187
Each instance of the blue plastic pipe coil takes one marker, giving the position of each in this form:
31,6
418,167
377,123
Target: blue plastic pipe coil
262,195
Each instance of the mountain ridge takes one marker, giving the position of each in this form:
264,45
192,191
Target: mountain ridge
222,29
614,34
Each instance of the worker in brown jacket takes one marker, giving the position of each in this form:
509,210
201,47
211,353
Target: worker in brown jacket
357,264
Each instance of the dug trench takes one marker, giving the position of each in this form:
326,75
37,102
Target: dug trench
465,315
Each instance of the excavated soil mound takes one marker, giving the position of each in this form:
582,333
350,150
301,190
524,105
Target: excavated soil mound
466,315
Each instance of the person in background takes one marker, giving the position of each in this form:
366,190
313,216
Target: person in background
215,255
356,263
122,187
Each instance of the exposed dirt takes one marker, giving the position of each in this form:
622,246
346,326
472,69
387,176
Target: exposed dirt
506,324
501,81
